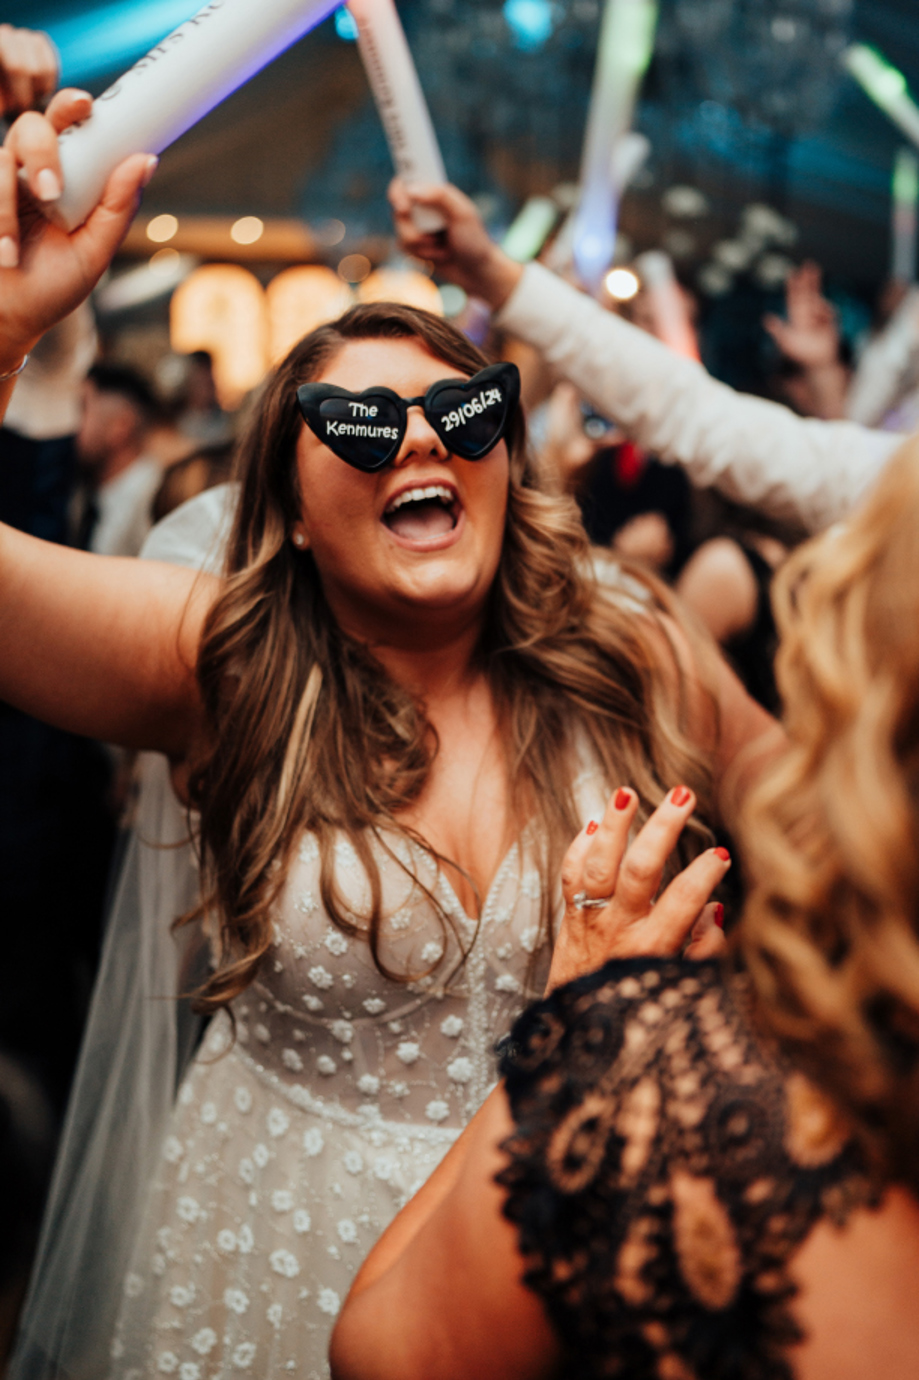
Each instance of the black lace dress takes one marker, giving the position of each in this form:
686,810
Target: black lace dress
664,1169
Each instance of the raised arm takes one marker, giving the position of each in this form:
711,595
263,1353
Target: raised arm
98,646
756,452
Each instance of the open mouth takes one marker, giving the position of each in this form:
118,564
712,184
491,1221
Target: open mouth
423,513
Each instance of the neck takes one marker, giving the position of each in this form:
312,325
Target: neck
435,662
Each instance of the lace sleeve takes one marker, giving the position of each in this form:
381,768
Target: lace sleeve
663,1170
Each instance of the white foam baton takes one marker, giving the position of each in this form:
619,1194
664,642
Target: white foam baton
668,305
624,51
400,100
904,227
193,69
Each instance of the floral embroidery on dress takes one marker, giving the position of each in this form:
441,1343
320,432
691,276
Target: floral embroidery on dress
664,1169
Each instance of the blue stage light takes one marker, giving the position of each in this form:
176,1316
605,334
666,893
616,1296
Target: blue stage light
530,21
113,36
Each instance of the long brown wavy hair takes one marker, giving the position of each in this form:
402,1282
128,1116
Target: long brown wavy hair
831,930
307,731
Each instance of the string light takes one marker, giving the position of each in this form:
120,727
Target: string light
622,284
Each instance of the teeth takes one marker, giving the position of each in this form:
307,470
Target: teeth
419,495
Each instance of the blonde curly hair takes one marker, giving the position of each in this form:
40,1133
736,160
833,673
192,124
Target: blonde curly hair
831,930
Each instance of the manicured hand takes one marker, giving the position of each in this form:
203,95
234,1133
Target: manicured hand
28,69
462,252
44,271
636,921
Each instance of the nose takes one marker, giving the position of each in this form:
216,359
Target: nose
420,442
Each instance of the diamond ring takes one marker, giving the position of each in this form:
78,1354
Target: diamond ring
581,901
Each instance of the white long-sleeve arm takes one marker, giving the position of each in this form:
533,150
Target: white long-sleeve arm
756,452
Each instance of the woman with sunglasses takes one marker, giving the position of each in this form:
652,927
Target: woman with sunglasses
406,692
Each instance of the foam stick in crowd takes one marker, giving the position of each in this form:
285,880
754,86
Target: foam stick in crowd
624,51
885,85
178,82
668,305
905,204
397,91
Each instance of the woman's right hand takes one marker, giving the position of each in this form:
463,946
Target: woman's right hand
462,252
636,922
44,271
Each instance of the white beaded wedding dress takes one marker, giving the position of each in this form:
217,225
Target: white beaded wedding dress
290,1150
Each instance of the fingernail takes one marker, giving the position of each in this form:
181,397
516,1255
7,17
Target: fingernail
152,164
592,827
680,795
722,853
622,798
719,915
47,185
9,252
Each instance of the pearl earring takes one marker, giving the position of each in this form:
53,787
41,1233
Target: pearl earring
298,539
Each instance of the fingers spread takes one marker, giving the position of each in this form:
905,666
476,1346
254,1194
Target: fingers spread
607,845
684,900
643,866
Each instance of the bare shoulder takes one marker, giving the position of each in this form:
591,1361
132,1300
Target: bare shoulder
720,588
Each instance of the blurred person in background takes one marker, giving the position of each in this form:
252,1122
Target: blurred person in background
114,506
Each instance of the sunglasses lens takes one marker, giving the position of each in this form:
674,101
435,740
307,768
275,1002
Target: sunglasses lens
364,431
470,417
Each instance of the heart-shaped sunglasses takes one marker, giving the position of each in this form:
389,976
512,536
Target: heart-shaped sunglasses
367,429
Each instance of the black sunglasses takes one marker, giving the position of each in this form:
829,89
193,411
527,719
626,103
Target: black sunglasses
367,429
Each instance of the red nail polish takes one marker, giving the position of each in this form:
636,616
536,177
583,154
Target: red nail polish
622,798
592,827
722,853
719,915
680,795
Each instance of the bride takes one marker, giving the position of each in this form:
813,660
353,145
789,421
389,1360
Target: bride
404,695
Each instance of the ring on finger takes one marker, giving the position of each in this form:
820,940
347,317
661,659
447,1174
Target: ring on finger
581,901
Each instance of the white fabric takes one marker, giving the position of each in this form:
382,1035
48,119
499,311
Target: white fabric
888,370
125,506
754,451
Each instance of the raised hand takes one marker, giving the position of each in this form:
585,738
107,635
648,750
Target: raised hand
44,271
810,335
602,866
463,251
28,69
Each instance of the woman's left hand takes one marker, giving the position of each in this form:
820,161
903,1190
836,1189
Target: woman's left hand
601,864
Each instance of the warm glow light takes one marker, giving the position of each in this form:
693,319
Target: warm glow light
622,284
162,228
247,230
221,308
405,285
299,300
164,260
354,268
